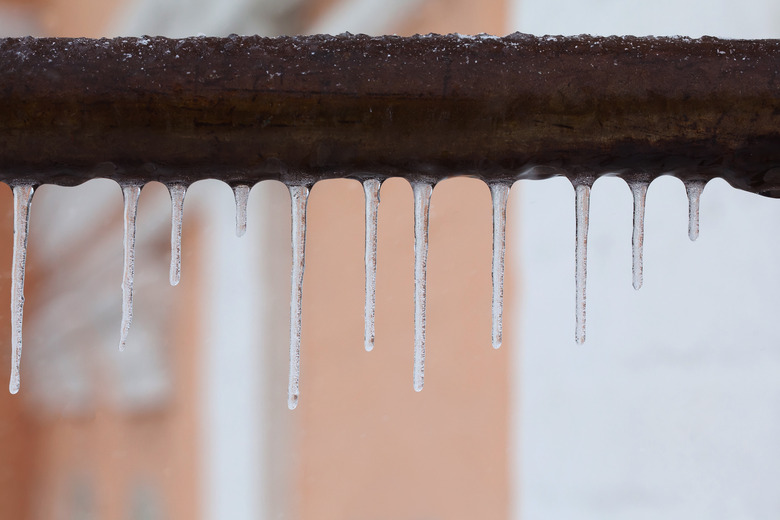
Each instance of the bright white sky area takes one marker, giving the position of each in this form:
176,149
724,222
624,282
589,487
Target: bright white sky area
671,409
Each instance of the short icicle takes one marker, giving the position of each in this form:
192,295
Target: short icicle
241,193
422,202
299,196
177,191
694,189
131,193
22,201
371,189
500,194
639,190
582,202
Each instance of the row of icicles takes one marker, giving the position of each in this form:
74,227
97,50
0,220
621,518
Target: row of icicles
299,196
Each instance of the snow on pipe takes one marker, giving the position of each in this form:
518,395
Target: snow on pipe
423,108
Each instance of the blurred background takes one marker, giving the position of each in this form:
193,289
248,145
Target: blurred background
670,410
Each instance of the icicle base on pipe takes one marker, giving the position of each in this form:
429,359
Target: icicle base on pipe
247,109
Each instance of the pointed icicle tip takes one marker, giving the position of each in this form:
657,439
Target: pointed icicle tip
299,196
639,191
694,190
131,193
177,192
500,194
371,189
422,202
241,193
22,202
582,204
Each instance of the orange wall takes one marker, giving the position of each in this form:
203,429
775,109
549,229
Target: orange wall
370,446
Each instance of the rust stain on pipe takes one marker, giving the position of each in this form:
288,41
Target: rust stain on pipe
244,109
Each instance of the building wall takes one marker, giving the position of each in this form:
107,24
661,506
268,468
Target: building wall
362,443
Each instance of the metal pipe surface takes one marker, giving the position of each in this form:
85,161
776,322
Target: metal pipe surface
298,109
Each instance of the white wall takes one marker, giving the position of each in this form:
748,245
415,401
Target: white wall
671,409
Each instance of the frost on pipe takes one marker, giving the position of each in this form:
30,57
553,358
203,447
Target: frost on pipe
245,109
302,109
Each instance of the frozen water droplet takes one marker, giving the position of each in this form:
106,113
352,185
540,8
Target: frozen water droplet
241,192
500,194
639,190
582,203
371,189
694,189
299,196
422,202
177,191
131,193
22,201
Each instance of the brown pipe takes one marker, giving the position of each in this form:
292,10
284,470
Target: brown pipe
244,109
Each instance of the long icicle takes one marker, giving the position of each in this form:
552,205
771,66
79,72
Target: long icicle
582,202
499,193
131,193
177,191
371,189
22,201
298,196
639,190
241,193
422,202
694,189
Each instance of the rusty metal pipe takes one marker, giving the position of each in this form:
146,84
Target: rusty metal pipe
244,109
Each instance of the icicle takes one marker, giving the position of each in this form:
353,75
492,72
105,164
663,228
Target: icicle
177,192
298,197
22,200
241,192
694,189
131,194
371,189
582,196
500,194
639,190
422,201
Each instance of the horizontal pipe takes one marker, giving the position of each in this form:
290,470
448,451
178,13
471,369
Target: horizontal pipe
297,109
